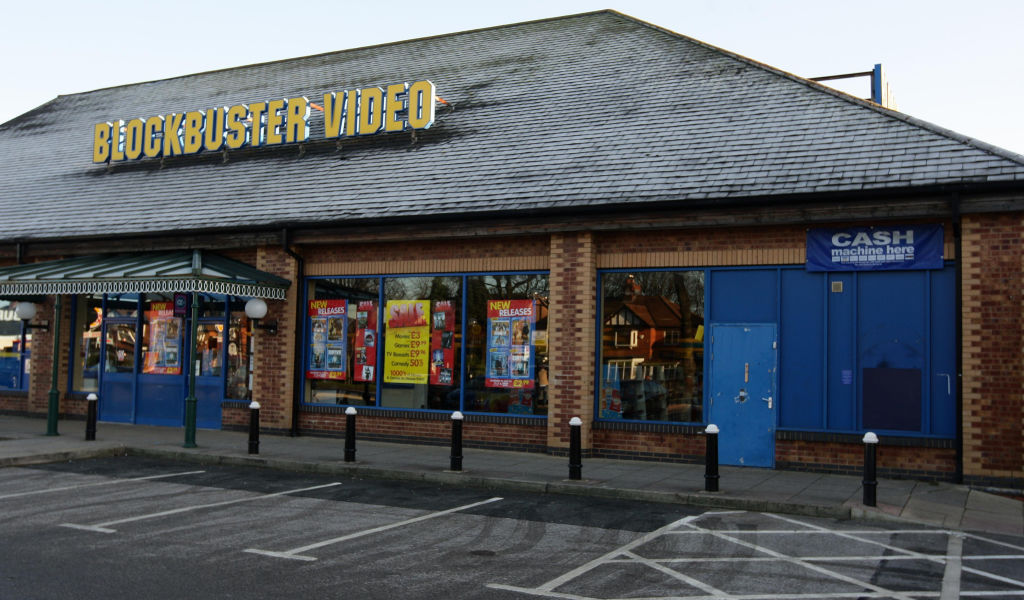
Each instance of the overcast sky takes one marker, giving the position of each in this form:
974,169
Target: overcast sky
955,63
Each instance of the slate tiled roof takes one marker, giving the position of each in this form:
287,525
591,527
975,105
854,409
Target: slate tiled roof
574,113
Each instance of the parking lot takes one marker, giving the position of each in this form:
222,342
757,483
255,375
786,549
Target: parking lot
130,528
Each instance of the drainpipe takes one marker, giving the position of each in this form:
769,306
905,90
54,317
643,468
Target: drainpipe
958,476
18,253
298,381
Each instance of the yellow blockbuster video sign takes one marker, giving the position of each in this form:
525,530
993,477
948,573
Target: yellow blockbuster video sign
365,111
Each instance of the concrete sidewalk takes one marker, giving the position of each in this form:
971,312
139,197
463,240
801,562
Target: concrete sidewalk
23,442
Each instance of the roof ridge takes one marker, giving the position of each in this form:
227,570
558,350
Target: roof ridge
342,51
894,114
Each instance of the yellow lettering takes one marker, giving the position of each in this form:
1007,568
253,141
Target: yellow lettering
298,120
172,134
351,112
151,132
101,142
256,110
421,104
192,136
133,139
213,131
236,134
394,105
371,110
274,122
116,141
334,113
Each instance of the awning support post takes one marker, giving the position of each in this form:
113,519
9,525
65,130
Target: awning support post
53,405
190,402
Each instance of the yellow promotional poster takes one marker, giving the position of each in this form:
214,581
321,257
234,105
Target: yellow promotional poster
407,342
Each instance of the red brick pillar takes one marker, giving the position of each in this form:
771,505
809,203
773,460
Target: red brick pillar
571,337
993,335
274,354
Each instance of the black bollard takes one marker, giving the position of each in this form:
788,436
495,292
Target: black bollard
456,464
350,434
254,427
711,459
575,449
90,418
870,480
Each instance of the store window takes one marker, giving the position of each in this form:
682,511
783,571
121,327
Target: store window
89,331
506,348
161,336
15,345
397,342
120,348
239,352
342,341
421,340
652,346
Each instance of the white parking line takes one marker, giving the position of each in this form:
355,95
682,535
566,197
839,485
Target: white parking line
85,485
104,527
295,553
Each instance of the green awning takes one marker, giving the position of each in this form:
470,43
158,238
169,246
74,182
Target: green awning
168,272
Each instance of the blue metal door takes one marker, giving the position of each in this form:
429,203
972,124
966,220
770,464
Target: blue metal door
742,393
117,381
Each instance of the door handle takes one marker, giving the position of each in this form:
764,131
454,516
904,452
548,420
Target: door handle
769,401
949,383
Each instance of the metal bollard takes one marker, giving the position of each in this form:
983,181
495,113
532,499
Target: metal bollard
350,434
254,427
575,449
870,481
90,417
456,464
711,459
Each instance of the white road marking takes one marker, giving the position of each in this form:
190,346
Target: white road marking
951,577
104,527
85,485
295,553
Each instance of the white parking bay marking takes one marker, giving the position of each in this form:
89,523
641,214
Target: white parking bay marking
105,527
98,483
295,553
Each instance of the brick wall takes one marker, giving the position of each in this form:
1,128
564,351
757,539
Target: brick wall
274,354
899,462
571,331
993,383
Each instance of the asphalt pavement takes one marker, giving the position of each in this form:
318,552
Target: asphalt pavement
23,442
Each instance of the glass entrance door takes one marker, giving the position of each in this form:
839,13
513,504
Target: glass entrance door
161,383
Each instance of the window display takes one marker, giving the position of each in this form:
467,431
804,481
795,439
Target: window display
15,342
89,323
652,346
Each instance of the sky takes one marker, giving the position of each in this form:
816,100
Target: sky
954,63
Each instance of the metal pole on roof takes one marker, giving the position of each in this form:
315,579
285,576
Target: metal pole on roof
190,402
53,405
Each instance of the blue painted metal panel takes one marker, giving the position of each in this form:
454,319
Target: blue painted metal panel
892,331
744,296
209,395
801,355
161,400
942,342
841,409
116,398
743,383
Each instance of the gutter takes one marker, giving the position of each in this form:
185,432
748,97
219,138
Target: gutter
297,371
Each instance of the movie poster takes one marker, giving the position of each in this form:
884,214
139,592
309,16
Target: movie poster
408,341
365,369
509,350
442,343
610,405
328,328
163,355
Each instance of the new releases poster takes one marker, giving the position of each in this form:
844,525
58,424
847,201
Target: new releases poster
365,369
442,343
407,344
163,331
510,326
328,328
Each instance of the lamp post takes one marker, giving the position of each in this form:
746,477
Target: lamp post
190,402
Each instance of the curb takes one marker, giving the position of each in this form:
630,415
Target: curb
461,479
66,455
